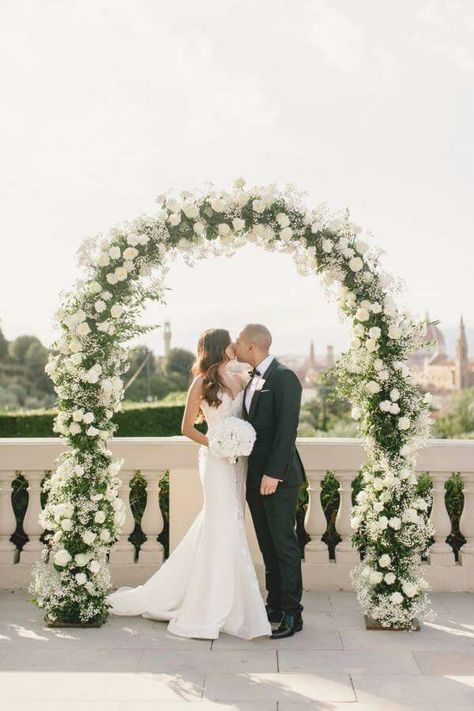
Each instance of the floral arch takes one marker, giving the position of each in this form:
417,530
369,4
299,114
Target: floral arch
83,514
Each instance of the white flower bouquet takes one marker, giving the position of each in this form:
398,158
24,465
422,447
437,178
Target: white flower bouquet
232,438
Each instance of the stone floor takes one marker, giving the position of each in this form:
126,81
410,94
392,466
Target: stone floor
133,664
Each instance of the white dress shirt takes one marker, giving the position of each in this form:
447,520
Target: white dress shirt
262,367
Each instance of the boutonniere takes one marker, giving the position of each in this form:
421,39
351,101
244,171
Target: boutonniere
259,383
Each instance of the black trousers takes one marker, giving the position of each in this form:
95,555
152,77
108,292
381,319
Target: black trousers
274,519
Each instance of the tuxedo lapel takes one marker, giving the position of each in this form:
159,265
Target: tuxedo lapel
253,404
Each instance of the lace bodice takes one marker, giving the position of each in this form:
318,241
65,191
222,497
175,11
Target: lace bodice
229,407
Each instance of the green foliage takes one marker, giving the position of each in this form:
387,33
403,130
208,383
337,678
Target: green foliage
458,419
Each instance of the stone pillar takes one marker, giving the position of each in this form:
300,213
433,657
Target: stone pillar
152,523
315,521
466,523
32,549
123,551
440,552
8,550
345,551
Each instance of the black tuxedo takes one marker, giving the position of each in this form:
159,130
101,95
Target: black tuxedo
274,413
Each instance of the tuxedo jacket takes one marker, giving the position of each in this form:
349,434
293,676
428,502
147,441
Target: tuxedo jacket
274,413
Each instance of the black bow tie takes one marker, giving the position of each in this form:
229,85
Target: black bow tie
254,372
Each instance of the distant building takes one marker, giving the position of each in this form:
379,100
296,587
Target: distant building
436,371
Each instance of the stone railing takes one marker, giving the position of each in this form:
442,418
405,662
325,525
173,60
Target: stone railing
32,458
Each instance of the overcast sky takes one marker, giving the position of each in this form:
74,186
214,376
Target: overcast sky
367,105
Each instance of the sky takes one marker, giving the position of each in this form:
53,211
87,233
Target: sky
364,105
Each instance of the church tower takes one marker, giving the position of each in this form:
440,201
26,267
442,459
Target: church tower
329,356
461,360
167,339
312,357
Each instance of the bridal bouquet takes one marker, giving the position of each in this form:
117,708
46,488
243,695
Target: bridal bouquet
232,438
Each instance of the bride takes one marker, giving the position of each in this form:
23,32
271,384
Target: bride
208,584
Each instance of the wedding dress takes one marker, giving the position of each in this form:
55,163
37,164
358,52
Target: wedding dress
208,583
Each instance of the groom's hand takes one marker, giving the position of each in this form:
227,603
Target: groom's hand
268,485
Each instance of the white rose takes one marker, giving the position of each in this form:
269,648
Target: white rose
373,387
174,219
382,522
366,571
316,227
105,535
95,287
356,413
223,229
384,560
190,210
409,589
238,224
404,423
78,470
394,394
396,598
76,358
130,253
81,559
114,252
258,206
62,557
67,524
358,330
172,204
77,415
286,234
410,516
74,428
83,329
81,578
121,273
385,405
88,418
103,260
362,314
376,577
356,264
111,278
283,219
395,409
394,332
218,205
327,245
354,344
99,517
88,537
198,228
361,246
371,345
116,311
374,332
94,566
389,578
92,431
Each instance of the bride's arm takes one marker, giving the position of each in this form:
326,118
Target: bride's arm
193,402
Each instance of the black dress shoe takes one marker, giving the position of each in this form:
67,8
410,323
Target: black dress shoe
288,626
273,615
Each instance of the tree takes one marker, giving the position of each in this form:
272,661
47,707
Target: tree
20,345
458,419
3,346
179,362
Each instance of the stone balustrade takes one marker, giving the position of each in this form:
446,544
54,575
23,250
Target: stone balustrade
33,458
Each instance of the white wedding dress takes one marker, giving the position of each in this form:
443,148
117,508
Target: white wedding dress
208,584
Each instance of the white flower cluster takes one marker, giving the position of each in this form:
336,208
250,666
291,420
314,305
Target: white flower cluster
232,437
87,359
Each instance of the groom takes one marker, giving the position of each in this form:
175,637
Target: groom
272,402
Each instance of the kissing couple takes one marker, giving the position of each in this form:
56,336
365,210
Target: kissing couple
208,584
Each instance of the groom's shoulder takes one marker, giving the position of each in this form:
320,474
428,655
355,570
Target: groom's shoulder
285,374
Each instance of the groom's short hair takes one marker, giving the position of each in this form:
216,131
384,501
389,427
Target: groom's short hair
259,334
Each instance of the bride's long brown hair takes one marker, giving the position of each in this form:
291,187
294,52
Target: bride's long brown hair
210,355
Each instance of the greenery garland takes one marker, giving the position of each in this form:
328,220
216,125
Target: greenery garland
83,514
